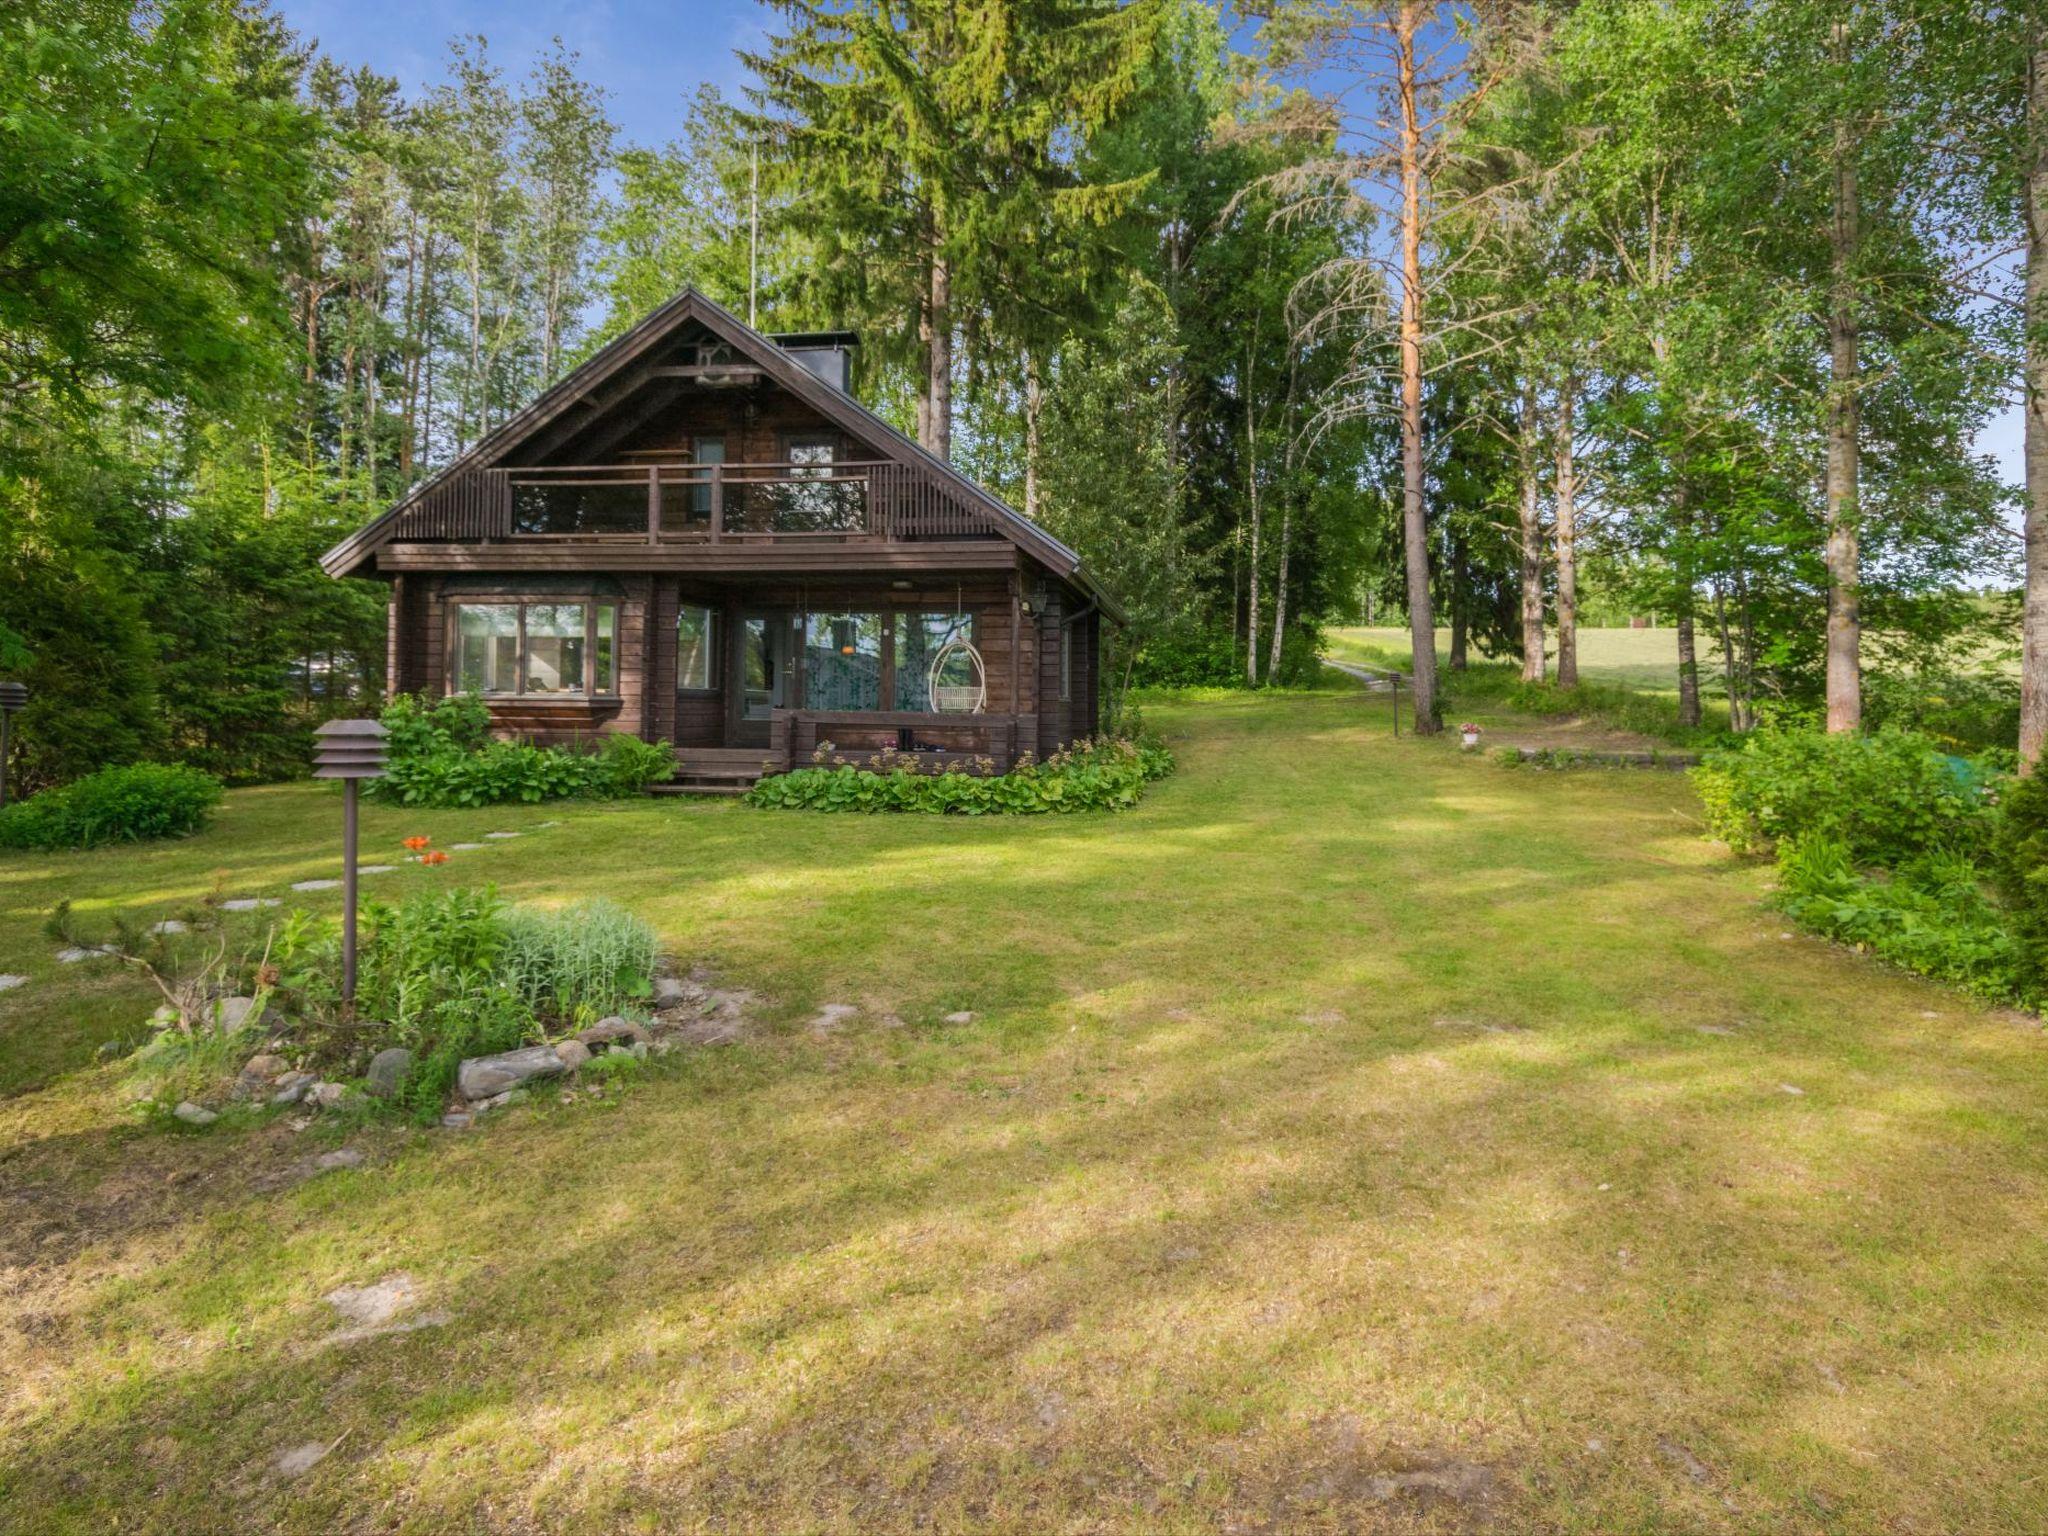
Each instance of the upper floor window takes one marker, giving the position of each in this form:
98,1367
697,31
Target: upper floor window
535,648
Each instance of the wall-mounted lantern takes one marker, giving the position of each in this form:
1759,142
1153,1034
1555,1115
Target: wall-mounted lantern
13,697
349,750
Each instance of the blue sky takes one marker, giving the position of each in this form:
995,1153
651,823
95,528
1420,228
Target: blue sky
649,55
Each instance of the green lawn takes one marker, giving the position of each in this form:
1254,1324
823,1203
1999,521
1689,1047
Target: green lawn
1358,1136
1644,659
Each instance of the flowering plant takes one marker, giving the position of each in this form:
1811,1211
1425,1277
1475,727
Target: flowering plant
417,843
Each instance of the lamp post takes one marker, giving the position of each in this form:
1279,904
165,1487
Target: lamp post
13,696
349,750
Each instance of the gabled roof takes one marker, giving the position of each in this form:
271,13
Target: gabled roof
347,557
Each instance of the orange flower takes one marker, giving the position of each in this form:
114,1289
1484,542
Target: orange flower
417,843
436,857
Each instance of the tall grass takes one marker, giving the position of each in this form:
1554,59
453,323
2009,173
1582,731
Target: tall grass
589,958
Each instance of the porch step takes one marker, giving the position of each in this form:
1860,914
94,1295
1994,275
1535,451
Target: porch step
714,771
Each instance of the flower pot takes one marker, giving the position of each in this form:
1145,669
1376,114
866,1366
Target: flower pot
1470,739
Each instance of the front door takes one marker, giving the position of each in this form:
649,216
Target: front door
761,674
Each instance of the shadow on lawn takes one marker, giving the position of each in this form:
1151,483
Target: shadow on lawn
1209,1245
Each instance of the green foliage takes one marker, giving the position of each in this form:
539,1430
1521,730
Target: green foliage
179,1064
592,957
458,973
1930,915
1885,798
2020,867
440,754
143,800
1103,776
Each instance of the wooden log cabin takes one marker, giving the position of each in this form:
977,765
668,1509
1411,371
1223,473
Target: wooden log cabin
702,538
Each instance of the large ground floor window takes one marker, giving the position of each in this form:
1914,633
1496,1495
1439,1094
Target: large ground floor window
535,648
843,661
921,643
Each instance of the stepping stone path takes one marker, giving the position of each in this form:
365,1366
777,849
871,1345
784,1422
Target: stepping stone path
73,955
500,836
831,1016
466,847
250,903
316,885
372,1311
376,869
10,982
169,925
298,1460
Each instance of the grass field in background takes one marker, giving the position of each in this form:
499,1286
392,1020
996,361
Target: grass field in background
1645,659
1358,1136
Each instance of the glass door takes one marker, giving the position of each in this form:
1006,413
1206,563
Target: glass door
761,663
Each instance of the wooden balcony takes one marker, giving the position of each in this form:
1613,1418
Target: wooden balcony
679,504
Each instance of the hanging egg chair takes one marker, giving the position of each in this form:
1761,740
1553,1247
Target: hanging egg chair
950,695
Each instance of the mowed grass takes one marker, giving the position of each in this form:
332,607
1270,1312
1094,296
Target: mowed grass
1356,1137
1643,659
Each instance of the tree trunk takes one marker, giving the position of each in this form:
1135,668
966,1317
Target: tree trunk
1461,579
1034,403
940,361
2034,626
1287,492
1845,630
1531,540
1414,523
1567,537
1251,480
1684,597
1280,588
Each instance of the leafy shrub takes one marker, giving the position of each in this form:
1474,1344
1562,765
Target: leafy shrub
1931,915
142,800
1884,798
424,724
626,765
440,754
591,957
2020,867
1963,712
1102,776
454,974
1214,658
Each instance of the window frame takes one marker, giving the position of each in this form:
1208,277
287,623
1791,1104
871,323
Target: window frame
591,603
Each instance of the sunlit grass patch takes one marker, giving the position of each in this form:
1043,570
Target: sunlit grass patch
1350,1111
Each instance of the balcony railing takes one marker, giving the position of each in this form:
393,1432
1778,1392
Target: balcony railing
695,502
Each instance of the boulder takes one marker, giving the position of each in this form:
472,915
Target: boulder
325,1095
614,1031
482,1077
671,991
266,1065
457,1120
389,1070
192,1114
574,1053
292,1087
229,1014
964,1016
